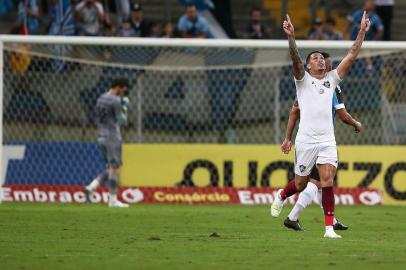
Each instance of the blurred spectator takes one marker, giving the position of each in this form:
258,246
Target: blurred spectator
20,60
109,30
5,6
256,29
60,18
28,17
330,31
140,26
199,4
20,57
60,22
192,25
315,5
375,31
126,30
316,32
155,30
122,10
90,15
168,30
384,9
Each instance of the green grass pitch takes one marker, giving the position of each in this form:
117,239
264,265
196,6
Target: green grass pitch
46,236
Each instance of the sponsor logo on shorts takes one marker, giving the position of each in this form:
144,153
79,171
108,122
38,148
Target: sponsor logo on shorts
302,168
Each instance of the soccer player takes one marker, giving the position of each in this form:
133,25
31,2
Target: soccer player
313,186
315,141
111,113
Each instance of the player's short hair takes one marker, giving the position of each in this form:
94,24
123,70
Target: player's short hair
190,5
331,21
119,82
256,9
325,55
310,54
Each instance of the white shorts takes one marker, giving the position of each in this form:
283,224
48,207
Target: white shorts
308,154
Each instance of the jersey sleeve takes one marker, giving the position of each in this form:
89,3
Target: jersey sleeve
204,27
99,7
335,79
79,6
300,84
34,6
182,24
338,101
376,23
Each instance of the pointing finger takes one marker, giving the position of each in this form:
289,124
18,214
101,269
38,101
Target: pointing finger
287,17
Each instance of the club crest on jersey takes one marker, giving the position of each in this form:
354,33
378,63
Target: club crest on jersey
326,84
302,168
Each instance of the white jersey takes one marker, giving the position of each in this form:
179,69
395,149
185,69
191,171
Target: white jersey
315,101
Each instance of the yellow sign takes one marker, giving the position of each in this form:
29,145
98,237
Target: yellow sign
382,167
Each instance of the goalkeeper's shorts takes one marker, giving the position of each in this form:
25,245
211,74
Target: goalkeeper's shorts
111,151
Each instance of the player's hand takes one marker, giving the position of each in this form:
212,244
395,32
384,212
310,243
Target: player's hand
125,101
358,127
286,146
365,22
288,26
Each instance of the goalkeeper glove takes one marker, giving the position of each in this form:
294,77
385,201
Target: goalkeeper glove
125,101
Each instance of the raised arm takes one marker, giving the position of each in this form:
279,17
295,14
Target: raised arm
293,117
352,54
347,118
298,68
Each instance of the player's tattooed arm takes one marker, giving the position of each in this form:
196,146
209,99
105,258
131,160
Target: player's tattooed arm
298,68
353,52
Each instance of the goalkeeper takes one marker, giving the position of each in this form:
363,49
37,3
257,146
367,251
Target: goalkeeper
111,113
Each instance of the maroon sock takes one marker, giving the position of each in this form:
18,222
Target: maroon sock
289,190
328,205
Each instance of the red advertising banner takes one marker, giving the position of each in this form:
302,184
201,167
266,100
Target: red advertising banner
175,195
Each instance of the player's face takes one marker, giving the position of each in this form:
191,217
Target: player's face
316,62
256,16
136,15
369,5
123,90
191,13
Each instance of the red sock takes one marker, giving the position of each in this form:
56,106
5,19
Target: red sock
328,205
289,190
